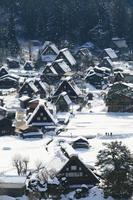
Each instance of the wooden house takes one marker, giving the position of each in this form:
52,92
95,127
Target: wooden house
28,66
8,81
107,62
49,52
28,88
3,112
66,55
120,97
61,67
70,88
80,142
24,100
109,53
118,77
13,63
95,79
83,52
63,103
74,170
84,57
41,117
120,45
3,71
49,70
42,87
6,126
50,75
32,104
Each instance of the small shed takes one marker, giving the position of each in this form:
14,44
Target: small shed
80,142
12,185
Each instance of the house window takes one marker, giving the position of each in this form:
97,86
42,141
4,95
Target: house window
44,118
73,167
80,168
3,131
38,118
74,174
41,114
67,169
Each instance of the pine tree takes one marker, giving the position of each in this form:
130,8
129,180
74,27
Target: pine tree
116,165
12,43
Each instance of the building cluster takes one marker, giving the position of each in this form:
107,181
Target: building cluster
49,90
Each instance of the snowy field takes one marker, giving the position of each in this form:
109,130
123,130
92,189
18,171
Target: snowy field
87,124
83,124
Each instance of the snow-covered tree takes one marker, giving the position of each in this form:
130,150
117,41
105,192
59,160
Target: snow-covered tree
116,165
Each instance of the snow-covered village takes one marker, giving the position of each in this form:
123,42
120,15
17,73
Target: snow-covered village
66,105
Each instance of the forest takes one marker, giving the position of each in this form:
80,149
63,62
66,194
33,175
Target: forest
77,21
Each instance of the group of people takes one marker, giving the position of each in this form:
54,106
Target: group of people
108,134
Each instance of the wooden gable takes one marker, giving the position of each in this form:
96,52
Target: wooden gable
41,117
41,87
63,104
28,88
49,49
67,57
3,72
94,79
49,70
28,66
77,173
65,86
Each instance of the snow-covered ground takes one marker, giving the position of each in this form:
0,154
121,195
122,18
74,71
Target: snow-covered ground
83,124
92,122
34,150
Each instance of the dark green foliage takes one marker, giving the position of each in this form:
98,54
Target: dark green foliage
116,165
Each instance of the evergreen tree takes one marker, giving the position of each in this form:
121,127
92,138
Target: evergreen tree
12,43
116,165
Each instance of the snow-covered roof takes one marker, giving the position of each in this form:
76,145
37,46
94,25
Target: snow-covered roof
62,64
41,105
33,87
12,181
75,87
111,53
108,59
69,149
13,76
80,138
68,56
66,98
49,44
120,42
57,162
24,98
51,68
48,58
42,85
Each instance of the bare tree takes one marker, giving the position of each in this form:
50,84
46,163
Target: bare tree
25,164
18,163
21,164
